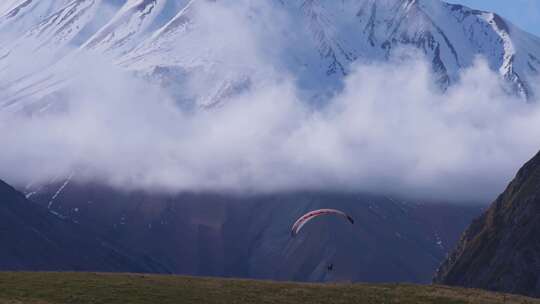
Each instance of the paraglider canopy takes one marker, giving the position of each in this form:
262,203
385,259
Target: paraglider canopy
300,222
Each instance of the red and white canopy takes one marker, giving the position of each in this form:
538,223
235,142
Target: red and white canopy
300,222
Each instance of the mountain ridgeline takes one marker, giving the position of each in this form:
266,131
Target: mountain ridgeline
501,249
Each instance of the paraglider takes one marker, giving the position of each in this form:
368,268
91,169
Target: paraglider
304,219
330,267
297,226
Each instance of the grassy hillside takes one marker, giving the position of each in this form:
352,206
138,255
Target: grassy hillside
81,288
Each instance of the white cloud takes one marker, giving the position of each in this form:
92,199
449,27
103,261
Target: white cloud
389,130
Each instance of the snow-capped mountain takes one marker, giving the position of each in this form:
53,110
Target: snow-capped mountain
132,24
21,15
49,24
316,41
48,31
451,36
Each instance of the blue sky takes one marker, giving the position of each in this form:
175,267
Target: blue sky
524,13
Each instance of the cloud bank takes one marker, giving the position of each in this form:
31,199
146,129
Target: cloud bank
389,130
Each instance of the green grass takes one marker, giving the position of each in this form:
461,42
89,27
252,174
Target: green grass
82,288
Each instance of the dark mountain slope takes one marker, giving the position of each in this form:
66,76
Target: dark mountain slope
501,250
32,238
249,236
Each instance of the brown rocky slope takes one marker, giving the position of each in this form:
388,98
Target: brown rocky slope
501,249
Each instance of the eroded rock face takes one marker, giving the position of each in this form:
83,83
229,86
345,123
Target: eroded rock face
501,249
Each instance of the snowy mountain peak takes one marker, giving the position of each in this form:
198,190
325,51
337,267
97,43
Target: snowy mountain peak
153,37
